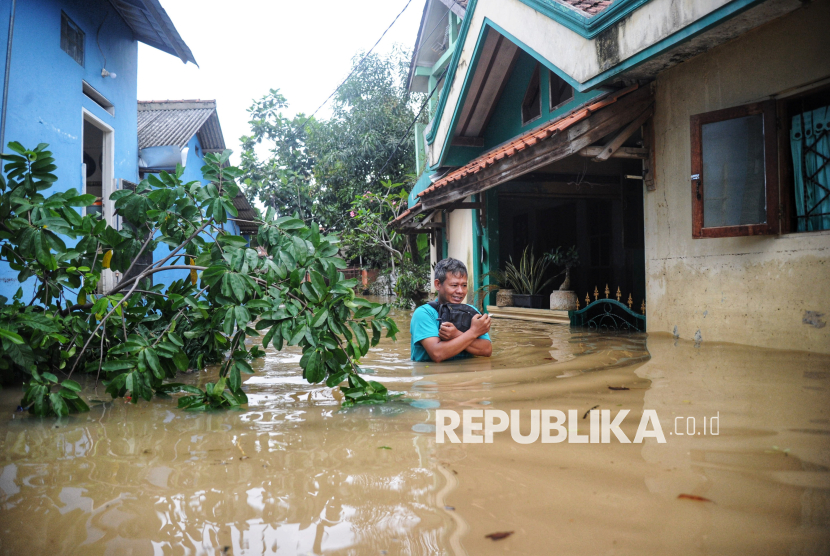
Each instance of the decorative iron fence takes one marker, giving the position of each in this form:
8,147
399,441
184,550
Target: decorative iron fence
609,314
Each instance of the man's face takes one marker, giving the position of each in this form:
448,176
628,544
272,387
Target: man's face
453,290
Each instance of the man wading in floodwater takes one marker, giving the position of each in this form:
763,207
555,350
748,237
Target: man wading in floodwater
460,330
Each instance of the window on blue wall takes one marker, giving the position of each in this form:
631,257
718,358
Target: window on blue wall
532,103
72,39
560,92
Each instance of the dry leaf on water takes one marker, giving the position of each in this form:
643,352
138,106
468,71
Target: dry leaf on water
693,497
618,388
498,536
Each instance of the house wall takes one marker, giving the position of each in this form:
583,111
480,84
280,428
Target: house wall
748,290
580,60
45,98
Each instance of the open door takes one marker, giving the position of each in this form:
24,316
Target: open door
97,176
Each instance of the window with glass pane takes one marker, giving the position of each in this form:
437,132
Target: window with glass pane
72,39
734,171
734,191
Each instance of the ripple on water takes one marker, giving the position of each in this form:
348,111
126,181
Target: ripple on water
294,473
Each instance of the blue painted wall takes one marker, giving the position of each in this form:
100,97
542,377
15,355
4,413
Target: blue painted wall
45,96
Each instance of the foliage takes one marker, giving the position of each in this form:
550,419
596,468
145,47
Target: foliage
528,277
139,339
319,167
370,214
566,258
412,284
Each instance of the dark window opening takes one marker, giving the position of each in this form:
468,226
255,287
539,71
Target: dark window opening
806,162
532,103
560,92
735,171
72,39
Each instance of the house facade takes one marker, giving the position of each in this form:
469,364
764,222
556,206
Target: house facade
70,80
682,147
172,132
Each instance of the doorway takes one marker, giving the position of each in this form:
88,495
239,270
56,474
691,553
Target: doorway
97,176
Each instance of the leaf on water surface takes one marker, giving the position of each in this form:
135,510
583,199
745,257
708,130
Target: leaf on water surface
384,448
693,497
589,411
618,388
498,536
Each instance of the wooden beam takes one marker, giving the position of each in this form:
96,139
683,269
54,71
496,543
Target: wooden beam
611,147
622,152
459,141
545,152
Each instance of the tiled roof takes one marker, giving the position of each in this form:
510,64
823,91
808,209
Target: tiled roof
401,216
527,139
174,122
589,7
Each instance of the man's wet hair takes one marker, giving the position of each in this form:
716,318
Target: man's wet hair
449,266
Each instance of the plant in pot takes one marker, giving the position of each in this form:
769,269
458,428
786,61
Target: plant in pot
564,298
527,279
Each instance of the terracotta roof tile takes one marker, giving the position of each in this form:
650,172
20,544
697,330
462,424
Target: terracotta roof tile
590,7
523,141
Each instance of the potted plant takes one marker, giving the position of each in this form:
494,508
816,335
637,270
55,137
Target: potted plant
527,279
563,299
500,285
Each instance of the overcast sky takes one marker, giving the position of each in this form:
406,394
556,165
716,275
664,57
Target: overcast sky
246,47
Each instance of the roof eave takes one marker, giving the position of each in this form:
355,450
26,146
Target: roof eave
152,26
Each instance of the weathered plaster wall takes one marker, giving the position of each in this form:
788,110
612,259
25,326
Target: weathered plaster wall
461,243
576,57
750,290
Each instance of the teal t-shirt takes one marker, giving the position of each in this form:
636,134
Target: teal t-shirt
424,324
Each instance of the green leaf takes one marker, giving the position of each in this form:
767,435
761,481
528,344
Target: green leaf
81,201
71,385
361,336
153,362
235,379
335,379
11,336
181,361
58,405
320,318
315,371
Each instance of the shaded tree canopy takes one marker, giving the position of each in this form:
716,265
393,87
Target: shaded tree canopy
318,167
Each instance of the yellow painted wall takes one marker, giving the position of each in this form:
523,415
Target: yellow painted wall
750,290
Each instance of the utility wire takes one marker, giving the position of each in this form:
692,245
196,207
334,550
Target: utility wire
354,70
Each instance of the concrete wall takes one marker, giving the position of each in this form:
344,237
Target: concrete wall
576,58
45,98
461,244
748,290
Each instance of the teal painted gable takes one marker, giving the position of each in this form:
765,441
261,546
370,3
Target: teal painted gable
506,122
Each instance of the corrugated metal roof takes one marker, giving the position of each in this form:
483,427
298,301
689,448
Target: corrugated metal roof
528,139
174,122
153,27
246,212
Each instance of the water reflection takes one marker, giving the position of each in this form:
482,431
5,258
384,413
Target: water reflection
294,474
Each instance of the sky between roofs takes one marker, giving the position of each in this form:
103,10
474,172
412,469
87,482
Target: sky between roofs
246,47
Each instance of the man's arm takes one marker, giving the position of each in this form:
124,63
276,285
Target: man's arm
441,350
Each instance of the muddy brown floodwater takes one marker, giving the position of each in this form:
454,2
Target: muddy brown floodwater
293,474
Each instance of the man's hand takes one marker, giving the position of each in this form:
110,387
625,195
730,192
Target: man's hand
448,332
480,325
